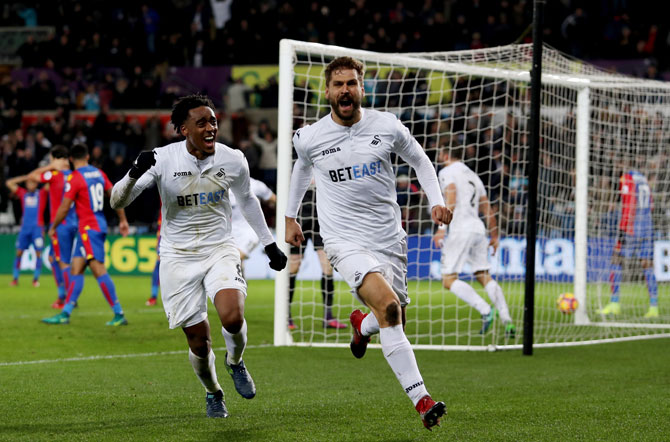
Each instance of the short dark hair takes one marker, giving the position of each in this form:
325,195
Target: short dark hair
344,63
79,152
185,104
455,152
59,151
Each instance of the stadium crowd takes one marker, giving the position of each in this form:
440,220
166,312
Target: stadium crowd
103,57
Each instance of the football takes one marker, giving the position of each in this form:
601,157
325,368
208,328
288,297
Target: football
567,303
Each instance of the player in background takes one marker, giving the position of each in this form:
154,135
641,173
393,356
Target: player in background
243,234
87,187
155,275
199,258
467,241
309,224
55,176
33,202
349,153
634,240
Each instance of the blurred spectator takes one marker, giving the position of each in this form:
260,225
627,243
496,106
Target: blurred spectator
252,153
91,100
264,138
236,95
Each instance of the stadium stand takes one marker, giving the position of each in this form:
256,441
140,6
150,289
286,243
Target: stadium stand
107,73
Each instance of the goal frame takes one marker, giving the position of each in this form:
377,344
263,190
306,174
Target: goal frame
581,83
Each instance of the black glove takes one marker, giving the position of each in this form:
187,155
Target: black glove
142,163
277,258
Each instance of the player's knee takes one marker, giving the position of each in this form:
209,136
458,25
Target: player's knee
392,313
233,322
199,345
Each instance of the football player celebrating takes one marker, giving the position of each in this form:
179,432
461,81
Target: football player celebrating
199,258
349,153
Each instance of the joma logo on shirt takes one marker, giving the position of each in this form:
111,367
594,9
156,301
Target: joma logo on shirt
330,150
187,173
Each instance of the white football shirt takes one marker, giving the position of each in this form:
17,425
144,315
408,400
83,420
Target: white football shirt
354,176
469,189
195,196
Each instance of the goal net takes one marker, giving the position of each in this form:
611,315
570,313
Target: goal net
601,133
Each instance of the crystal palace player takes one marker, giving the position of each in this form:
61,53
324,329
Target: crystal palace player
349,153
199,259
33,202
634,240
87,187
55,175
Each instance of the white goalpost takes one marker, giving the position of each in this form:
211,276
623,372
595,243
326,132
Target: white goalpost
595,127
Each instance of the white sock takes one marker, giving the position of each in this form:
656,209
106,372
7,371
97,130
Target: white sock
369,325
400,357
235,344
205,370
496,294
469,295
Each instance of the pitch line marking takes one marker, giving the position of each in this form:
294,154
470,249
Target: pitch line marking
121,356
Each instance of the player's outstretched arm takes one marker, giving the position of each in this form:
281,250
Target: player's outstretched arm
135,181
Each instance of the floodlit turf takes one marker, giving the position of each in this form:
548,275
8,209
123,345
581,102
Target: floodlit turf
141,386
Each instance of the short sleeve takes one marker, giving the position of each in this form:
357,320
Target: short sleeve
74,183
47,176
445,178
480,187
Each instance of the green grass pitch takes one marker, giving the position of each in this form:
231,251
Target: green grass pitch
86,381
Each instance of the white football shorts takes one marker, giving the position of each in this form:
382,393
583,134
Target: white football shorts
187,282
245,238
459,248
353,262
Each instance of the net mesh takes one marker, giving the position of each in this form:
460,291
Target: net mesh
480,101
